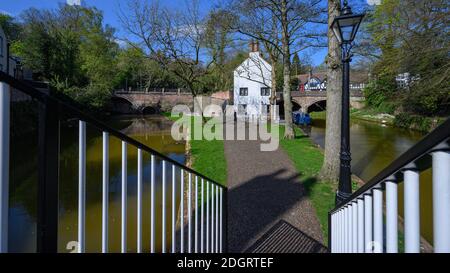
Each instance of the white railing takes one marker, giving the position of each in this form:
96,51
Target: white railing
188,179
358,226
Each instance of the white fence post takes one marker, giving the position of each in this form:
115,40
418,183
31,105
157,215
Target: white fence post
377,221
391,217
355,227
81,185
412,213
367,223
360,225
441,201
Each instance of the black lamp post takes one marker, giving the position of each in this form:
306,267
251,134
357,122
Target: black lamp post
345,27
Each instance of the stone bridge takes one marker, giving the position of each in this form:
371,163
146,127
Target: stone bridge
151,102
314,101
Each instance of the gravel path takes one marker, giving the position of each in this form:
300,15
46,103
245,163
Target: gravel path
264,188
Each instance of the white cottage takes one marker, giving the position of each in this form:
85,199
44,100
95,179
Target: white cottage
252,81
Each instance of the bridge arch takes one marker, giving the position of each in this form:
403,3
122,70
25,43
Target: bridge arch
122,105
318,106
150,110
295,107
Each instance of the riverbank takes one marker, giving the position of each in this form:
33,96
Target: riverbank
401,120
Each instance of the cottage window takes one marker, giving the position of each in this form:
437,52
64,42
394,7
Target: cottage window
265,91
243,91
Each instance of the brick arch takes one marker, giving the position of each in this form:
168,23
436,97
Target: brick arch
128,98
307,102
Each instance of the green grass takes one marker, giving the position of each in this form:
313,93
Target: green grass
208,157
308,159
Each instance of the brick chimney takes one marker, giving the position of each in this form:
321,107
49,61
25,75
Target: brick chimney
254,46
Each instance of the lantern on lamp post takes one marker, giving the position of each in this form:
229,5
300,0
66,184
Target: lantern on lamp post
344,28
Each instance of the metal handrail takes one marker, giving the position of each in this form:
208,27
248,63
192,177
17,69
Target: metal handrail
80,114
51,110
419,154
356,225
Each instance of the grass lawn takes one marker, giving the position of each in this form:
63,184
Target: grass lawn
208,157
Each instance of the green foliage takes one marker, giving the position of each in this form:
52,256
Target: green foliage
10,27
405,120
379,93
71,49
411,36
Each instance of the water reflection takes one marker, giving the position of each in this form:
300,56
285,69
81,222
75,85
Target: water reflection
152,131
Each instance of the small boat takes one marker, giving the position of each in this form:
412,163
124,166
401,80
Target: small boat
301,118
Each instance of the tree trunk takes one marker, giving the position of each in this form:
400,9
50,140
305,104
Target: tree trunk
273,93
330,167
289,130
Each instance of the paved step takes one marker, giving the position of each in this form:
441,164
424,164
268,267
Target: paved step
285,238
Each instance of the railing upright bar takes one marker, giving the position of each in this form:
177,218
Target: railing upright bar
350,228
367,223
217,219
338,229
189,213
5,100
196,216
174,210
212,218
124,199
441,201
360,225
221,221
48,178
163,205
412,214
377,220
81,185
391,217
182,211
341,231
105,192
139,201
336,233
201,216
331,235
355,227
207,217
345,229
152,205
225,220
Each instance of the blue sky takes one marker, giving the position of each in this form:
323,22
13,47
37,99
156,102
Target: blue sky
110,8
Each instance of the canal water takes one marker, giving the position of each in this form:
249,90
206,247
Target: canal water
154,131
373,147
